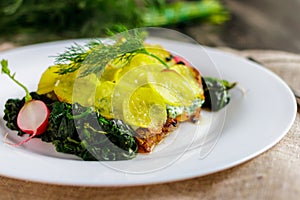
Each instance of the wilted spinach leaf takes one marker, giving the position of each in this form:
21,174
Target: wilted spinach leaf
216,93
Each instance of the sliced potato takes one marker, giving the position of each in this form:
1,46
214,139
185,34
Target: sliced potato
145,108
48,80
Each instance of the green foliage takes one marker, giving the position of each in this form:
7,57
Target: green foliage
12,108
91,18
81,16
181,12
74,129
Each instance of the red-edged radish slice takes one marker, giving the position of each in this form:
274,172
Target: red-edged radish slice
33,119
179,59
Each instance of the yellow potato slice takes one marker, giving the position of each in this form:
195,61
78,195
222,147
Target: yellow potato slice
48,80
173,88
145,108
103,101
189,75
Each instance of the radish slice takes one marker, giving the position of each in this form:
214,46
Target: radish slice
33,119
33,116
179,59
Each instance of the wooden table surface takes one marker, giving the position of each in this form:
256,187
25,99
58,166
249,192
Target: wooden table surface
275,174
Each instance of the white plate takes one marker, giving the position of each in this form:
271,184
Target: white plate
255,121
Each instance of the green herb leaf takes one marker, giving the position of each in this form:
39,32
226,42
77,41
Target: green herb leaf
4,64
216,93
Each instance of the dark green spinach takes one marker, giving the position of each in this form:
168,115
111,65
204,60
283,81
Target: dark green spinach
216,92
80,131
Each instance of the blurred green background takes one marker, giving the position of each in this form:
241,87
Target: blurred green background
240,24
31,21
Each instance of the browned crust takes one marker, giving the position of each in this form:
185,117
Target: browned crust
148,139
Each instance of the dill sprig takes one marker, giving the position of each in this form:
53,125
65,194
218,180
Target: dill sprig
94,56
75,53
72,58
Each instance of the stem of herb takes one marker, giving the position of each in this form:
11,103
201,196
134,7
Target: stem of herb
83,114
87,125
27,96
72,140
157,58
5,70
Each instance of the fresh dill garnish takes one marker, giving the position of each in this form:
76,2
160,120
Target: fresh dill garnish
94,56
